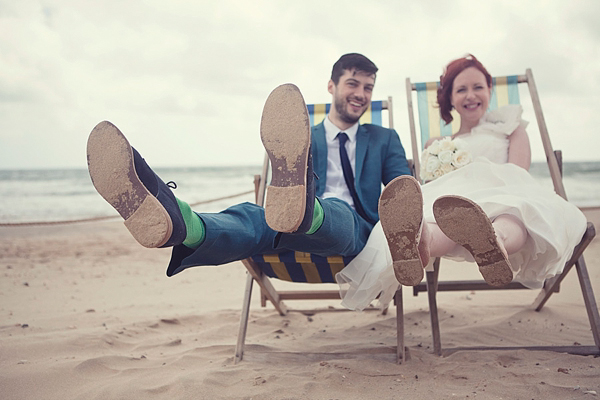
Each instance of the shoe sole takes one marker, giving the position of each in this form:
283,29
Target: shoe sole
285,133
401,215
112,169
466,223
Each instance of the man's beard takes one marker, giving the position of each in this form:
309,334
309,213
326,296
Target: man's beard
340,107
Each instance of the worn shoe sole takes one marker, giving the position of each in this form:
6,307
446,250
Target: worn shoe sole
465,223
285,133
401,215
112,169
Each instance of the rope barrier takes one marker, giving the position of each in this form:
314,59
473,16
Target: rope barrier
94,219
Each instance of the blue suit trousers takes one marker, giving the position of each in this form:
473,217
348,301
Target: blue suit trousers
241,231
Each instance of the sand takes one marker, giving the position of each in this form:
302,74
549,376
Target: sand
88,313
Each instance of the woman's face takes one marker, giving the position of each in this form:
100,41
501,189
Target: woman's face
470,95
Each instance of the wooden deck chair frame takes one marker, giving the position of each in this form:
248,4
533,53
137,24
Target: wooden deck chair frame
268,292
505,92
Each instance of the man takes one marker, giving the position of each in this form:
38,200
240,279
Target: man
337,222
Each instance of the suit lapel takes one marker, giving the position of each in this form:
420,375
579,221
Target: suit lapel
362,142
319,151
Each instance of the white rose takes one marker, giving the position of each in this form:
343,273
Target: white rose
445,156
432,164
434,147
437,173
447,167
461,158
426,176
446,144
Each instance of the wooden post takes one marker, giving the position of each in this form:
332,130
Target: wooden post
413,131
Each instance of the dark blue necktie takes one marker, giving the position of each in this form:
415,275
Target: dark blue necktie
348,175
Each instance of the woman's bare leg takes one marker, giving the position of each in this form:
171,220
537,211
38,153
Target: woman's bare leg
511,232
509,229
439,244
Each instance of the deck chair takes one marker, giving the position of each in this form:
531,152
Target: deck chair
505,91
304,267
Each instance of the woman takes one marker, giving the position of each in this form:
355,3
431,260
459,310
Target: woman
489,210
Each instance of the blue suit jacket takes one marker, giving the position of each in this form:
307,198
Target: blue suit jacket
380,158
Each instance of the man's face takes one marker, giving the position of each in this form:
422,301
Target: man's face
352,95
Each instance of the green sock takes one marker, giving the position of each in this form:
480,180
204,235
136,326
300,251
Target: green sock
318,216
193,225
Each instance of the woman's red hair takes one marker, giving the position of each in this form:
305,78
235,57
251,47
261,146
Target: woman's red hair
444,93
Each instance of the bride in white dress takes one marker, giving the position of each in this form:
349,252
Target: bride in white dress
489,210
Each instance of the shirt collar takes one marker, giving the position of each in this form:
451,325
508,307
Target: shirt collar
331,130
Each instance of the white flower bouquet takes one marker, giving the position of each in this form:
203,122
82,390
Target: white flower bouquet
443,156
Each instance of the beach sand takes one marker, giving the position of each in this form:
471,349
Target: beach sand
87,313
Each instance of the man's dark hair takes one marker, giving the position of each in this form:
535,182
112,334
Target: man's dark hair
352,61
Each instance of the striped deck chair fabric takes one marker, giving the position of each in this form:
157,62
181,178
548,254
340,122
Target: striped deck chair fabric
301,267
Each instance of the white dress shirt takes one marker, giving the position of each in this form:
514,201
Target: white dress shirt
335,186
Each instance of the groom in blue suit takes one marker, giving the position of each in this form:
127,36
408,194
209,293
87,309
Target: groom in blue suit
332,214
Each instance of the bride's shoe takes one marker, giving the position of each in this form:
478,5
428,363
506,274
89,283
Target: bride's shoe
401,215
465,223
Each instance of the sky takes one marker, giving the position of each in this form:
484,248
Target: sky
186,81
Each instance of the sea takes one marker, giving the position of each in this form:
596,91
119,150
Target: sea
67,195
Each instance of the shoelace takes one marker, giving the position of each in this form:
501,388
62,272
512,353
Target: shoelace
172,185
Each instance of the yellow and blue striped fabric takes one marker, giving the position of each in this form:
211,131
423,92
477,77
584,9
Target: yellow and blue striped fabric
504,91
373,115
305,267
301,267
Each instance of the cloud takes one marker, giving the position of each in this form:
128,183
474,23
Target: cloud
186,80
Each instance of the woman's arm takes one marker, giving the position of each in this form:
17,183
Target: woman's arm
519,151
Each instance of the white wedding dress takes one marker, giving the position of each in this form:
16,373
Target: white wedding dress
554,226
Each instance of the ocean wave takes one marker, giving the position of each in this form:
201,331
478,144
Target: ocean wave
68,194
